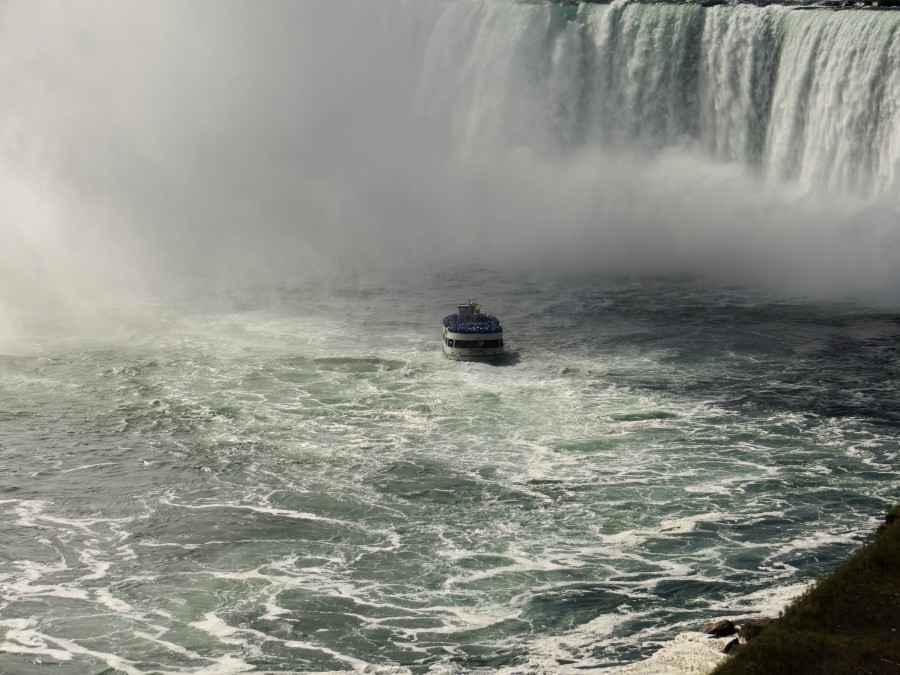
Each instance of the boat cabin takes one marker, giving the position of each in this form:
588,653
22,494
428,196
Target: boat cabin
469,312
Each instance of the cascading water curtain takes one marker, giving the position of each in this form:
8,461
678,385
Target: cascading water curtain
806,97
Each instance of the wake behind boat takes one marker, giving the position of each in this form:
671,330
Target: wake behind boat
470,335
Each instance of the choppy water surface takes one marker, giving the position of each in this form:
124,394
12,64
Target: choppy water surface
301,482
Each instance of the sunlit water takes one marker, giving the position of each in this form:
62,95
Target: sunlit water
299,481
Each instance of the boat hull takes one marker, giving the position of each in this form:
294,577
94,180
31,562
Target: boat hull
473,354
472,347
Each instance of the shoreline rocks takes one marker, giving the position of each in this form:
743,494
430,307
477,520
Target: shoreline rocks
722,628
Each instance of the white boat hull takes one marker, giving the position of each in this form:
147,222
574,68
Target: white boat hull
472,354
472,347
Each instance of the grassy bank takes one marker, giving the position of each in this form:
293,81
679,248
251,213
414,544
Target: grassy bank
849,622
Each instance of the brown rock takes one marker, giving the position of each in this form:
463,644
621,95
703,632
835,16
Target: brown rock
731,645
722,628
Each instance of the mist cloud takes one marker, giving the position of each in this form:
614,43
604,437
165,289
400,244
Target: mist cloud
143,141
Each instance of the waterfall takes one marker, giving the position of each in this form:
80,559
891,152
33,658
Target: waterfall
809,97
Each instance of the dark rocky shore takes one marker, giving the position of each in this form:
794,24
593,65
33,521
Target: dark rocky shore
848,622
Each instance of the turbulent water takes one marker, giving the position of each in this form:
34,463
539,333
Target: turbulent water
229,440
302,482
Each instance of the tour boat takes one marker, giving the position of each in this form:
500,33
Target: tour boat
470,335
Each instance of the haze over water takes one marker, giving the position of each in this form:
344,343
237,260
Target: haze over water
229,439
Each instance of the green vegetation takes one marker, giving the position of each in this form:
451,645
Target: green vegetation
849,622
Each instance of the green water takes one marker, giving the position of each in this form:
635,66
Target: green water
301,482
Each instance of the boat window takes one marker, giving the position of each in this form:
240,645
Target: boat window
449,342
478,344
